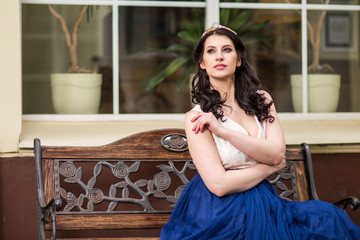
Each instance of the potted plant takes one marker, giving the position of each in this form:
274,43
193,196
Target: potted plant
191,31
79,90
323,83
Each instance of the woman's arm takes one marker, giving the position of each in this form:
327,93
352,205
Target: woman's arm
270,150
208,163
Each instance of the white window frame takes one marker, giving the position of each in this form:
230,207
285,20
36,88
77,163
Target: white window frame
212,8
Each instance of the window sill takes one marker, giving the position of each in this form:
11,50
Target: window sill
86,133
334,135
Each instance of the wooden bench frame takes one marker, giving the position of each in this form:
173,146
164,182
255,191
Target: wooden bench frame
137,202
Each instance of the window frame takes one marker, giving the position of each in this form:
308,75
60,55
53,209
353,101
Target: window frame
212,9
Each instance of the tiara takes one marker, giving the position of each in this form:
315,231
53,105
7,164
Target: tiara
217,27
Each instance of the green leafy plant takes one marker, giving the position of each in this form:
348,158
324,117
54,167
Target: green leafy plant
191,31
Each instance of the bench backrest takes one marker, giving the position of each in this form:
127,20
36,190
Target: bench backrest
132,183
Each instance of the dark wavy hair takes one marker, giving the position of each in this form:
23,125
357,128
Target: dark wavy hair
247,84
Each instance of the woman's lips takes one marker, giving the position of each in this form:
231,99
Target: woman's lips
220,66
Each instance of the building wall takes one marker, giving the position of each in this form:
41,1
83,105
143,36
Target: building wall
17,199
336,176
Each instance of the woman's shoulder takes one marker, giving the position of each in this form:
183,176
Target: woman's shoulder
195,109
192,112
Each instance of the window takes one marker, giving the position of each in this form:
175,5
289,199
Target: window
124,41
141,35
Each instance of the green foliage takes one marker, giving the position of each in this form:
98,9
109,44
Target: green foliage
191,31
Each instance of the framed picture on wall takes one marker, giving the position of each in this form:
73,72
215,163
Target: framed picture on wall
337,27
338,32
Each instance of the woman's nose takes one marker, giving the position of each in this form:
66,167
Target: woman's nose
219,55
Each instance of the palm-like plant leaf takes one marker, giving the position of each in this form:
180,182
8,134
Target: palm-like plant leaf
177,48
175,64
252,27
239,20
189,68
154,80
187,36
162,71
225,16
259,39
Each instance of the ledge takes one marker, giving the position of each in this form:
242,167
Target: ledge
86,133
321,131
322,135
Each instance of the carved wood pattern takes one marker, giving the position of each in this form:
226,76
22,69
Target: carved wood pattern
284,182
70,171
130,189
123,183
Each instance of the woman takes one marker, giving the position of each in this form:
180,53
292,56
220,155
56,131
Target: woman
236,142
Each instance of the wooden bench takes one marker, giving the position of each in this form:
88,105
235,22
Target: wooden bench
127,189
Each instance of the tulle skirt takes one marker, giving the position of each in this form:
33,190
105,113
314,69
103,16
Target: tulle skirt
255,214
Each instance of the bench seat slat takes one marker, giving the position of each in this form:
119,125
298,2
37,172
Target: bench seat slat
109,221
127,238
294,154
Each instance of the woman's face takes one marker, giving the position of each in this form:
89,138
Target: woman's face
219,59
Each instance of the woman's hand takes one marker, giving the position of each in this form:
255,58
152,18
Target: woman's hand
203,121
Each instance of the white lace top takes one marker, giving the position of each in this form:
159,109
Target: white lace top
231,157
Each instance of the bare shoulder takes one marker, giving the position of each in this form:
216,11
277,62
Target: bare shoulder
189,115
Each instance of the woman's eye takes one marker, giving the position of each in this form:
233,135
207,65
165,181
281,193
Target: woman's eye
227,49
210,50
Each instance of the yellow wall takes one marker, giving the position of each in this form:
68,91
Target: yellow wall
10,76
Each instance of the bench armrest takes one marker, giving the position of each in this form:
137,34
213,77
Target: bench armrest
354,203
43,208
344,203
310,173
39,177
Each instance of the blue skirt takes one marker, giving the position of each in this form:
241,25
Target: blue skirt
255,214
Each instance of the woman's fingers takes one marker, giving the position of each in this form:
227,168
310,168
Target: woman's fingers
199,126
195,117
201,121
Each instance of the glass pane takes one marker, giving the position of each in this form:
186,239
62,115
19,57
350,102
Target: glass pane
333,61
273,42
44,49
342,2
175,0
144,36
264,1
